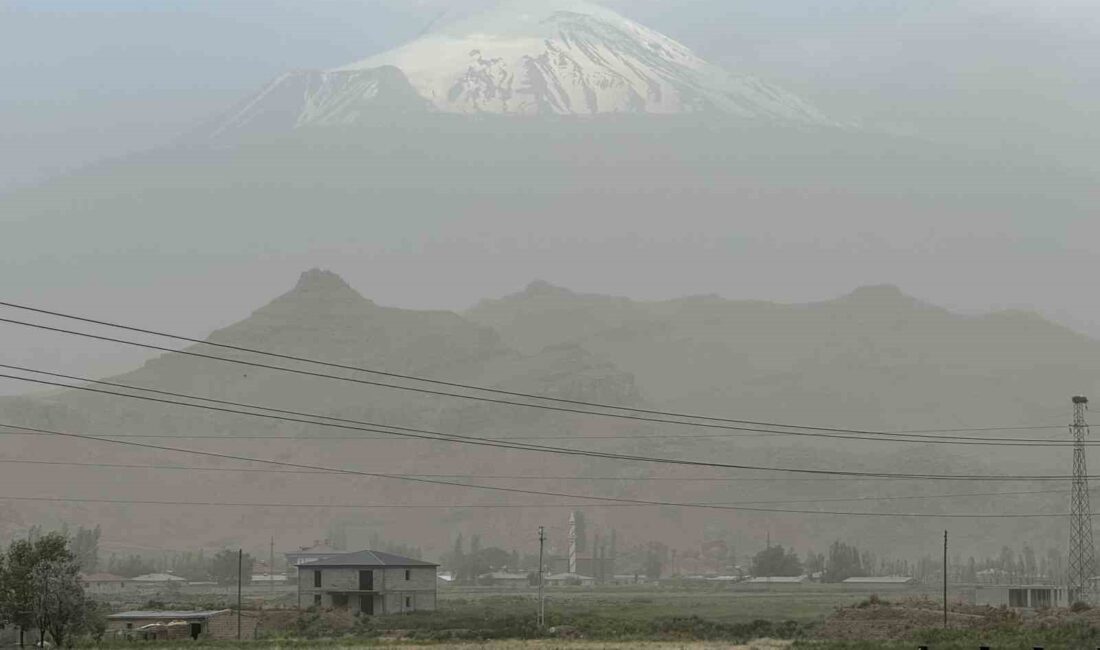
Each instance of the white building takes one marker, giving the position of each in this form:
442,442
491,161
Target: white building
1021,596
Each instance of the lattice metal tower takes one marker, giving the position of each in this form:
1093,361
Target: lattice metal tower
1082,560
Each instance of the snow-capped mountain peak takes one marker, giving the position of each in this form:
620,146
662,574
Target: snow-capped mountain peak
527,57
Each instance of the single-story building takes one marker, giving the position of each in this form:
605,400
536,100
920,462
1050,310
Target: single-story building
504,579
159,579
445,578
569,579
105,583
172,625
1021,596
368,582
725,579
268,578
881,583
778,580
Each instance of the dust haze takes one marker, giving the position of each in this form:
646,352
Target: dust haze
770,267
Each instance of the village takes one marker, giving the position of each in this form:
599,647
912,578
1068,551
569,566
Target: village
343,592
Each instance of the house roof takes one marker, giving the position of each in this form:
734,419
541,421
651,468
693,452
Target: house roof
762,579
159,577
879,580
504,575
368,558
570,576
166,615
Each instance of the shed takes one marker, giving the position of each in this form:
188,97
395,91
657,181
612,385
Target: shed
1021,596
570,579
159,625
778,580
884,583
504,579
162,578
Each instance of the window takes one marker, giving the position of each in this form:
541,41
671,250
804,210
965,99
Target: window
317,600
408,602
129,626
408,575
317,579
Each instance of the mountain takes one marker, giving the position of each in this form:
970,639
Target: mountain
875,358
322,98
523,57
896,361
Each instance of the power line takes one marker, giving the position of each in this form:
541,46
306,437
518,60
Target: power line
490,443
237,470
515,477
486,442
690,463
492,506
496,488
956,440
804,429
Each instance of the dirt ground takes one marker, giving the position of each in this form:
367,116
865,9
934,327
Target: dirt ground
886,620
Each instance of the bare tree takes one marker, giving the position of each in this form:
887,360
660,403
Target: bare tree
59,605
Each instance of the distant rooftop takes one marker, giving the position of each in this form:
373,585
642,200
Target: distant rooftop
369,558
778,579
879,580
102,577
167,615
158,577
318,547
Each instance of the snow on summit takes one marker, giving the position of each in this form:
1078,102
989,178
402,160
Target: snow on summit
527,57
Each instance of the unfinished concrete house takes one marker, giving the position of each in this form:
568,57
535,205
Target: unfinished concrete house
368,582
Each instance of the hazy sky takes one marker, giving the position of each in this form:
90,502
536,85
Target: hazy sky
88,78
85,79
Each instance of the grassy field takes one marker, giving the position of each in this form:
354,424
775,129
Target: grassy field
806,604
489,645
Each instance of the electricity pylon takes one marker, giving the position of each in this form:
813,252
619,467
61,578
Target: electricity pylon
1082,559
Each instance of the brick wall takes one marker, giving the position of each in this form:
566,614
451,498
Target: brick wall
224,626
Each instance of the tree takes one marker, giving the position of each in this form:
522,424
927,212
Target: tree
774,561
656,556
815,562
224,567
457,560
130,566
471,572
85,547
59,604
844,562
17,581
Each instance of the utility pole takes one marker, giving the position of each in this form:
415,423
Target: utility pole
542,605
271,568
945,579
240,580
1082,559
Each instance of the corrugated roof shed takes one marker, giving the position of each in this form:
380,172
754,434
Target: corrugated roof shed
879,580
166,615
